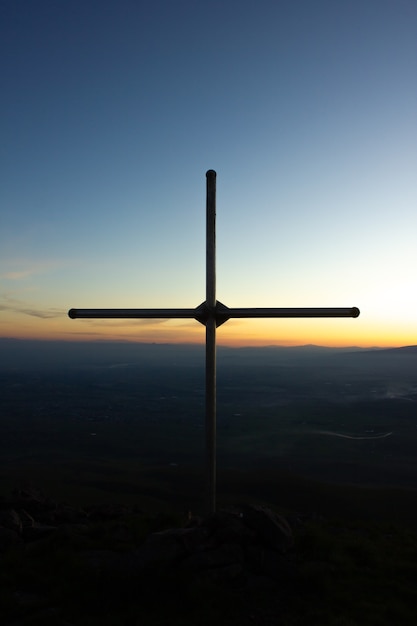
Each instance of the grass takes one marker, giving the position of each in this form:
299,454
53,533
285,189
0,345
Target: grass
365,574
349,574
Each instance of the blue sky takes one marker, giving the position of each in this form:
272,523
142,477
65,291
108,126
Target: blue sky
111,114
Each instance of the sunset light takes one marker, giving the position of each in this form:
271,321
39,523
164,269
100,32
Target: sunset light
308,117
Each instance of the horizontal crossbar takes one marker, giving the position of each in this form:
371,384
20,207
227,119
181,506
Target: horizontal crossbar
291,312
224,312
132,313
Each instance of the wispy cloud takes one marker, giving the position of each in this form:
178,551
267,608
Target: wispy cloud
17,275
13,305
21,269
115,323
45,314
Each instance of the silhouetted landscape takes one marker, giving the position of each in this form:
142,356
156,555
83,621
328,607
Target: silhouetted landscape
102,476
127,420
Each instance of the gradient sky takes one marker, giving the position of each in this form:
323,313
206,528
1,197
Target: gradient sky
111,113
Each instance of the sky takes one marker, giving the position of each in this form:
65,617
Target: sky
112,112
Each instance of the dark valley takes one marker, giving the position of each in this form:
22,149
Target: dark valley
307,427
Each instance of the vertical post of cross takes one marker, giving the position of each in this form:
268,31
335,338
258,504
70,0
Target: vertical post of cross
211,340
211,313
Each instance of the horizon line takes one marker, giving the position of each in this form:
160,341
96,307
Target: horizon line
194,343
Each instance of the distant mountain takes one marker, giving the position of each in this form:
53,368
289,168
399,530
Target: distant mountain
282,354
25,354
403,351
22,354
380,355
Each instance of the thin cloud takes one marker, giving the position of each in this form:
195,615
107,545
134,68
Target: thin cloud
13,305
46,314
20,269
84,333
17,275
120,323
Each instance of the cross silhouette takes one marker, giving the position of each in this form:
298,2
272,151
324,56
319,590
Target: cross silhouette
212,314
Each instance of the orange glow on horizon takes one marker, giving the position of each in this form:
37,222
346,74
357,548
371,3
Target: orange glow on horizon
235,333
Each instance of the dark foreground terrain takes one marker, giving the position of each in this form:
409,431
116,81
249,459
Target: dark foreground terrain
63,565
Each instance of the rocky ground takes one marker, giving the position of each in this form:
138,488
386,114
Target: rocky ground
65,565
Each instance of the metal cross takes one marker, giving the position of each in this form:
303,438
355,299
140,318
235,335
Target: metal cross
211,313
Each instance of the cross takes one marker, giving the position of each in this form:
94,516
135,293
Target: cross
212,314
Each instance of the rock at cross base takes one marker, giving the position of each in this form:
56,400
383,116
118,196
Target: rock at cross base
11,519
271,527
